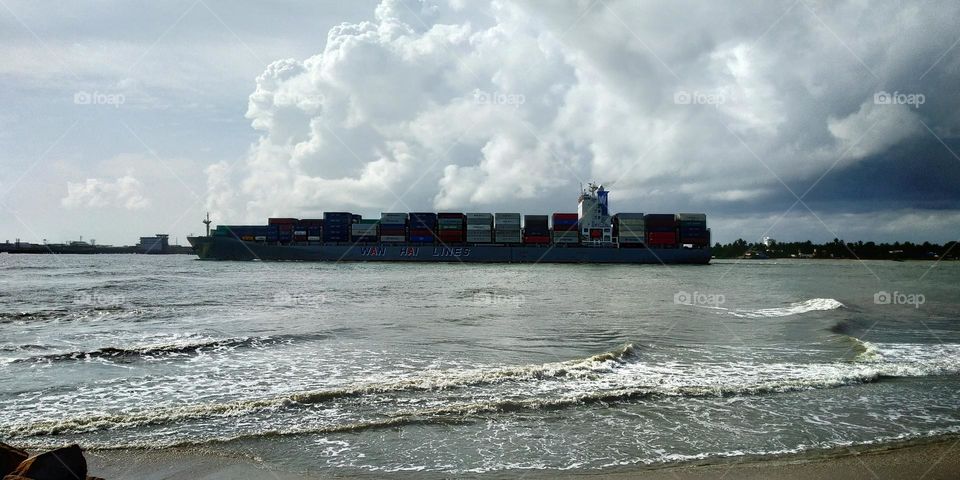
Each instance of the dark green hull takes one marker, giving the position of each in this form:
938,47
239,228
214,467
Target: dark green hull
227,248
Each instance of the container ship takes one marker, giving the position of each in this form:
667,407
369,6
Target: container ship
591,235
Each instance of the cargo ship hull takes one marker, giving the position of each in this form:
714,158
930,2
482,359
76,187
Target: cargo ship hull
227,248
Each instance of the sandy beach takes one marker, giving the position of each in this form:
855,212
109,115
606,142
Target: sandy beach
929,460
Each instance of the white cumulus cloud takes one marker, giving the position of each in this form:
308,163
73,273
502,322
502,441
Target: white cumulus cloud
124,192
486,105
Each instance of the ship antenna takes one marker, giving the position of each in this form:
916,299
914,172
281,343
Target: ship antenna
206,221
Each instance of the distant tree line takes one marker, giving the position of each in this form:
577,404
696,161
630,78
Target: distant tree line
840,249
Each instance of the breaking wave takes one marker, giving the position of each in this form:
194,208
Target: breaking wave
440,380
614,376
812,305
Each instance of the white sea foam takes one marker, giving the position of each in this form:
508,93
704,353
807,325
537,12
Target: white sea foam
812,305
614,376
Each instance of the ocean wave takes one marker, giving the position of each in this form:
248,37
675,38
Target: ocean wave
796,308
190,345
10,317
71,314
614,376
440,380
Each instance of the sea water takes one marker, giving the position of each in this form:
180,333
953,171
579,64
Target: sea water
367,367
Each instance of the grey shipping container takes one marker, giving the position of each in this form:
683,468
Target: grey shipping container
692,217
507,218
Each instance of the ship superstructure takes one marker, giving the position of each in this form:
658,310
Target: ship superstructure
593,214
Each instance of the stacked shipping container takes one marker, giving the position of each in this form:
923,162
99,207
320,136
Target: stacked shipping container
451,228
364,231
284,228
250,233
336,226
479,227
423,227
393,227
566,228
661,230
536,229
693,229
507,227
629,228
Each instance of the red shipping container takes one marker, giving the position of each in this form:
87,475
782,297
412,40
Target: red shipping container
281,221
536,239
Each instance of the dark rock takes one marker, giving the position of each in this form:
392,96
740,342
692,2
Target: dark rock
65,463
10,458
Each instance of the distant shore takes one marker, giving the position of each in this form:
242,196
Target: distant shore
935,458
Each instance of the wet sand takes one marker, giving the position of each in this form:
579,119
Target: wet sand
929,460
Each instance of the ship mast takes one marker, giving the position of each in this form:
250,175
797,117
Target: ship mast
207,222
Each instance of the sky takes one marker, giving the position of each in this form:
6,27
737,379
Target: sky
795,120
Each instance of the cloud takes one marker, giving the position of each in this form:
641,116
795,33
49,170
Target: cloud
874,128
220,197
510,105
124,192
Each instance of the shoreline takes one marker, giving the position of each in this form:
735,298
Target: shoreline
929,458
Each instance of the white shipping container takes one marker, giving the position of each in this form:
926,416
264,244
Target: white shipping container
393,238
313,238
299,232
260,238
484,227
484,216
